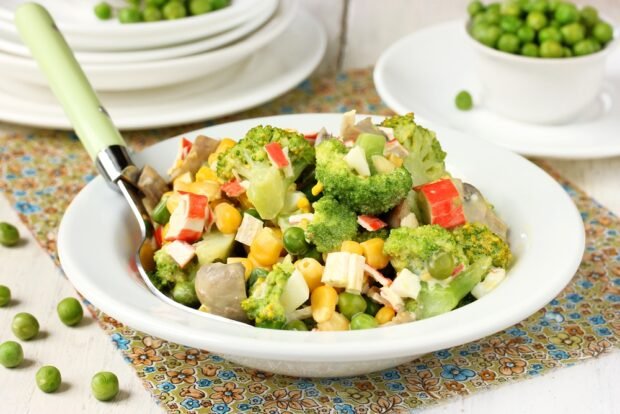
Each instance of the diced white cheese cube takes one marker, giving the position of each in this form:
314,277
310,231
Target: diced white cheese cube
490,282
180,251
249,228
355,277
336,269
406,284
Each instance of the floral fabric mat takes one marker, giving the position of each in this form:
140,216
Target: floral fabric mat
42,170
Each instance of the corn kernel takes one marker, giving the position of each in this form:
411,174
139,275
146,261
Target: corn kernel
266,247
164,231
311,270
225,144
396,160
323,301
303,204
212,159
184,178
352,247
373,252
338,322
384,315
210,189
316,190
206,174
227,218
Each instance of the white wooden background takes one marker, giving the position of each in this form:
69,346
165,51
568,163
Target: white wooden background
358,31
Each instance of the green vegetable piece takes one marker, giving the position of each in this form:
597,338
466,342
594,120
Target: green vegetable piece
253,212
295,241
48,378
603,32
372,307
152,14
566,13
185,293
589,16
5,296
296,325
492,16
332,224
551,49
174,10
511,9
530,50
510,24
509,43
478,241
25,326
9,235
349,304
103,10
104,386
526,34
463,101
267,192
215,246
129,15
160,213
474,8
372,144
256,274
536,20
363,321
573,33
586,47
70,311
550,33
436,299
487,35
441,266
197,7
314,254
11,354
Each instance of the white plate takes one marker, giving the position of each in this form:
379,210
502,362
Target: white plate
98,236
170,52
141,75
424,71
271,71
85,32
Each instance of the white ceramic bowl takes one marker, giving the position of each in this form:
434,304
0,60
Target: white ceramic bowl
98,237
537,90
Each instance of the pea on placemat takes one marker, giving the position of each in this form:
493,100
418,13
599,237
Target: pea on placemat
45,170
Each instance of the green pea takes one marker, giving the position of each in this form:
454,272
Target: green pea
603,32
573,33
185,293
586,47
135,3
529,49
70,311
152,14
296,325
589,16
478,19
488,35
551,49
9,235
48,378
129,15
372,307
474,8
25,326
538,6
536,20
463,101
510,24
441,266
314,254
553,4
349,304
509,42
294,239
256,274
156,3
5,295
363,321
11,354
104,386
526,34
511,8
219,4
492,16
200,6
566,13
174,10
568,52
494,7
103,10
549,33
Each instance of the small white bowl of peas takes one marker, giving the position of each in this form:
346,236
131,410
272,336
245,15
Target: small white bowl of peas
539,61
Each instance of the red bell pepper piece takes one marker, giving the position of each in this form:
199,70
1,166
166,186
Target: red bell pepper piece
277,155
158,236
233,188
370,223
441,203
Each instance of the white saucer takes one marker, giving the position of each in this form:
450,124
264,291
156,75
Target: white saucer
423,72
270,72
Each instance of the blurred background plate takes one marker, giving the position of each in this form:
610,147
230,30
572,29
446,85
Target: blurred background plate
169,52
271,71
424,71
84,31
141,75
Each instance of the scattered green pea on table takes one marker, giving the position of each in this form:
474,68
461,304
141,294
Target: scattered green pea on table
104,386
48,378
11,354
5,296
70,311
464,101
25,326
9,235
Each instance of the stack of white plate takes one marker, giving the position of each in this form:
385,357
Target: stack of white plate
169,72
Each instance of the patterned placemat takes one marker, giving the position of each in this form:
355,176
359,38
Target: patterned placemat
41,171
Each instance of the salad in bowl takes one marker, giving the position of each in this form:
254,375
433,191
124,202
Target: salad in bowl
322,231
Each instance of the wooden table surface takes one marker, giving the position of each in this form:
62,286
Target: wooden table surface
358,31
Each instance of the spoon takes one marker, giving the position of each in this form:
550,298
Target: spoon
91,122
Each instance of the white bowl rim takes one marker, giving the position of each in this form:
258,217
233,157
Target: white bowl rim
399,340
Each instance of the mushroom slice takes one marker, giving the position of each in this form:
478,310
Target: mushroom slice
221,289
201,149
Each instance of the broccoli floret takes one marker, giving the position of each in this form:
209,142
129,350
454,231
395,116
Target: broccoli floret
250,152
367,235
478,240
263,306
332,224
169,271
368,195
414,248
425,161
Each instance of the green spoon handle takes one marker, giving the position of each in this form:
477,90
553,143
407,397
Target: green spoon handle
66,79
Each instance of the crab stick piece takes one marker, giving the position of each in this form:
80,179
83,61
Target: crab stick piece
370,223
233,188
441,203
189,218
